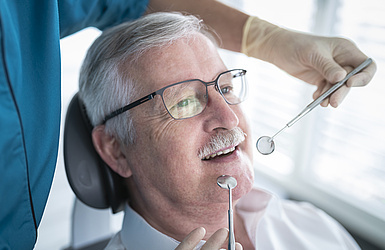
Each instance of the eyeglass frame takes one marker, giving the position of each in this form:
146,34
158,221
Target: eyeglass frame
160,93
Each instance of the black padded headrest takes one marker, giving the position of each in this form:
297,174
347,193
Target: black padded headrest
92,181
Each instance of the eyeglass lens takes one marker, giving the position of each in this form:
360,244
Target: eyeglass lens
189,98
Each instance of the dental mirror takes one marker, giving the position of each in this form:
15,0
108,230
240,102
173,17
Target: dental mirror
228,182
265,144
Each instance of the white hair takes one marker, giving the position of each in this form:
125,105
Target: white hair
106,83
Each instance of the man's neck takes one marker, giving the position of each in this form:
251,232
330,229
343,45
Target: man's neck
178,226
177,222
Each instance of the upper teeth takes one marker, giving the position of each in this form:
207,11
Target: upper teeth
226,151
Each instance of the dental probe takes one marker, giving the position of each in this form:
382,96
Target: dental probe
228,182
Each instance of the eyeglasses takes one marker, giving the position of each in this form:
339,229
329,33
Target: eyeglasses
189,98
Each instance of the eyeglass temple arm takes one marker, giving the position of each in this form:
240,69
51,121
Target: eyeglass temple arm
128,107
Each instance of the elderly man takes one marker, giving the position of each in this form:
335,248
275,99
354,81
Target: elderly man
167,118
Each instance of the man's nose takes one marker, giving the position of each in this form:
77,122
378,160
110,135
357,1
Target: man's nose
218,113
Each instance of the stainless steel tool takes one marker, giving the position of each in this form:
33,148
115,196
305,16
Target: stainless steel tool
228,182
265,144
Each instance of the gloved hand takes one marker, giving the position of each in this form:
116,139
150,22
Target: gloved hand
215,242
321,61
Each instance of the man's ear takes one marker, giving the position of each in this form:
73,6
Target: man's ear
110,151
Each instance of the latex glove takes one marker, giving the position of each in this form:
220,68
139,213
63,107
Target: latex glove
216,241
321,61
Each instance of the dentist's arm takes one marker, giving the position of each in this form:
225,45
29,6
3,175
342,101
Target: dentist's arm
226,21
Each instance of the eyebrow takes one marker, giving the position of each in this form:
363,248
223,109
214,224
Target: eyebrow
182,86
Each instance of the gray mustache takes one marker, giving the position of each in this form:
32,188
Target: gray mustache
223,139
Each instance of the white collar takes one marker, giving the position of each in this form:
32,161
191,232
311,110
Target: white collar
135,227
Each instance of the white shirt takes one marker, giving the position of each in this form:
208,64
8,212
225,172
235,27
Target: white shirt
271,223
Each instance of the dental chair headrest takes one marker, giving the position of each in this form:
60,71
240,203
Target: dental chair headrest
93,182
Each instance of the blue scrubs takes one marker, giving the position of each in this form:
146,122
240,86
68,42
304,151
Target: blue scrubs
30,101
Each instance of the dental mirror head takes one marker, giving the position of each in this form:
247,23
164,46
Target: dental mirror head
265,145
226,182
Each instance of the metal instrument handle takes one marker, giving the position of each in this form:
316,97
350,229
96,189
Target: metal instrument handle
336,86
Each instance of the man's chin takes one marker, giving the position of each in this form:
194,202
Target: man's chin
243,188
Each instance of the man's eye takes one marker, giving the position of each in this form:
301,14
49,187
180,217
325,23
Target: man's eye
226,89
183,103
187,107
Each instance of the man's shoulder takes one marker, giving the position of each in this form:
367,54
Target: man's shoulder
308,226
277,223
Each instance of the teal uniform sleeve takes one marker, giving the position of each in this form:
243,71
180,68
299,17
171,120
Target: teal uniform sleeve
76,15
30,101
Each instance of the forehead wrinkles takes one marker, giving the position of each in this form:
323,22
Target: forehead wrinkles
174,62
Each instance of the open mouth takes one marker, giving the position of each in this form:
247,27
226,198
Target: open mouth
222,144
221,153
